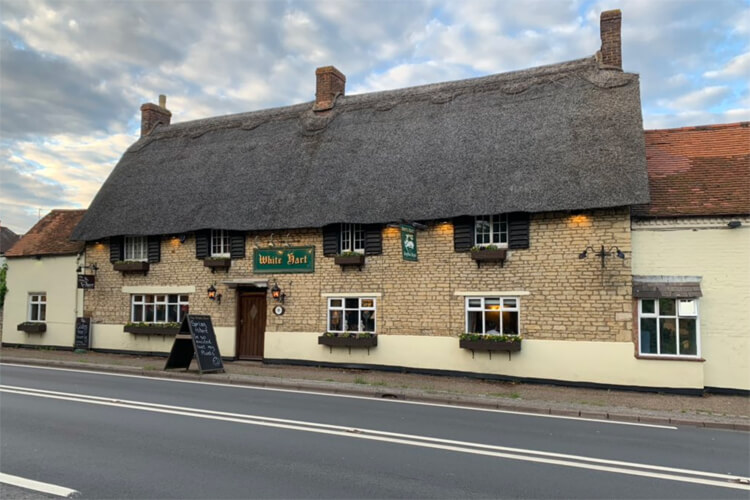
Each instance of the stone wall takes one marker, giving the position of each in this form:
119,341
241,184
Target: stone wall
568,298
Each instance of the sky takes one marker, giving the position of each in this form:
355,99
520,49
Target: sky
74,73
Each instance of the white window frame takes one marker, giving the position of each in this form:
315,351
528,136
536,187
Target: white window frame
135,248
482,307
342,308
36,301
657,316
220,243
493,237
156,300
352,238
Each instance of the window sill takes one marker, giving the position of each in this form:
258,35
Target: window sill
32,327
670,358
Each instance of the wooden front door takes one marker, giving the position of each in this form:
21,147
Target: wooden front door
251,324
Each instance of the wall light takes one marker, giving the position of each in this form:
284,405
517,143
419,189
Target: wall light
602,254
213,295
276,293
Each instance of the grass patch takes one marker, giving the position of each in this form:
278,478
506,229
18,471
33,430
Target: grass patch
360,380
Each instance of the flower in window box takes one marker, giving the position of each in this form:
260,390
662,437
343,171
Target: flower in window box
488,253
152,328
490,342
348,339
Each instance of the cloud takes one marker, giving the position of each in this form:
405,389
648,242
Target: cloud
704,98
738,66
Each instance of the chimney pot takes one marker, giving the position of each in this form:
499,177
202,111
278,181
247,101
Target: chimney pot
153,115
329,83
610,55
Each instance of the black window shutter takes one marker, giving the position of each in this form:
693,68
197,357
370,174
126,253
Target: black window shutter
518,230
373,239
331,240
201,243
154,248
115,248
463,233
237,245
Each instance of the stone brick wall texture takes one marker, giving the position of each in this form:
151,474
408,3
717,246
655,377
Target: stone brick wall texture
570,298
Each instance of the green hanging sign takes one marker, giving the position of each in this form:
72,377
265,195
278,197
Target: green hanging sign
409,243
284,260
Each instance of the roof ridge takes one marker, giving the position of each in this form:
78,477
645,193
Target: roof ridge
701,128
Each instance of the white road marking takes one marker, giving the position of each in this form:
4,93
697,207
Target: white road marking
577,461
30,484
349,396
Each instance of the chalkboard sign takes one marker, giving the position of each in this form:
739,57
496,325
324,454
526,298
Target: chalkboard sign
82,338
86,281
196,339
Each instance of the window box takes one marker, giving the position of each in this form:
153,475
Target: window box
152,329
350,260
131,266
489,343
32,327
352,340
488,255
217,263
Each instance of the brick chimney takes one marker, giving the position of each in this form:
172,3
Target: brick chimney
329,83
152,115
611,52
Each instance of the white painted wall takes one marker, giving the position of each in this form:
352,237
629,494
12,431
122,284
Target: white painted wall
722,257
56,276
112,337
599,362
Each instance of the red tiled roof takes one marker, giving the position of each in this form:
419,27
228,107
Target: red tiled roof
50,236
698,171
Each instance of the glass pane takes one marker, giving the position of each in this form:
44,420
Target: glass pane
172,299
137,314
492,303
172,313
368,321
475,302
161,298
42,298
668,336
648,306
150,298
492,322
509,302
34,312
475,322
148,316
42,312
137,298
351,321
161,313
368,303
510,322
335,302
648,336
334,321
352,303
183,298
687,308
666,307
688,343
184,309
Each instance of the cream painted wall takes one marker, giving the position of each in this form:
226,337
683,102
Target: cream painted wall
57,277
573,361
113,337
722,257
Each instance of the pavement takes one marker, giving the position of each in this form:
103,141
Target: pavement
710,410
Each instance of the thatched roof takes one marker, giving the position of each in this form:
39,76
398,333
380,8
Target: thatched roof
561,137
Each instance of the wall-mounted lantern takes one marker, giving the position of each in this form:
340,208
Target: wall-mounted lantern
213,295
276,293
602,254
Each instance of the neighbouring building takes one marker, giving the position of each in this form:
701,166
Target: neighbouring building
43,302
691,255
7,239
376,229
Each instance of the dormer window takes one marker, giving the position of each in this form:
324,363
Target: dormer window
352,238
219,243
135,248
491,230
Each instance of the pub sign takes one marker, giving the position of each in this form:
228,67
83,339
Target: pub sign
408,242
284,260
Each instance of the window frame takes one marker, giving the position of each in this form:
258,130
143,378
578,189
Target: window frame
129,246
220,236
343,308
351,238
41,300
483,308
501,220
157,301
656,315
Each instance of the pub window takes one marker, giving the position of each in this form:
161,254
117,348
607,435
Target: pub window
158,308
668,327
351,314
219,243
493,315
352,238
37,307
491,230
135,248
